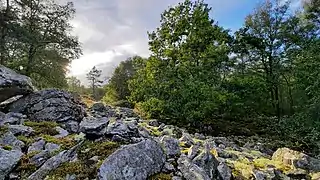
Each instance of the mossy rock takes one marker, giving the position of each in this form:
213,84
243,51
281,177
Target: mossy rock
154,131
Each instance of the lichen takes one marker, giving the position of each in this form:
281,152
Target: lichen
214,152
154,131
243,168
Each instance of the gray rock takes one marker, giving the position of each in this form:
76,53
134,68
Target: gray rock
206,161
62,132
171,146
8,160
199,136
12,118
187,139
49,105
143,132
94,126
20,130
224,171
51,147
167,168
40,158
13,84
124,129
72,126
153,122
9,139
37,146
71,177
193,151
191,171
176,178
99,107
53,163
133,162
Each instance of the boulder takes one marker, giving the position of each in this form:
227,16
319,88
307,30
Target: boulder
133,162
8,160
13,84
37,146
54,162
8,139
49,105
71,126
191,171
20,130
171,146
224,172
62,132
12,118
126,129
94,126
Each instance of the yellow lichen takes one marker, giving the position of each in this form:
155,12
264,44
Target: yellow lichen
214,152
263,163
243,167
185,150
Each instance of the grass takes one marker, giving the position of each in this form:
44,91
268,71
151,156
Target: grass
65,142
43,127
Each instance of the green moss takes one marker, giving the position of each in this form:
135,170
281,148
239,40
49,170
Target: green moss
160,176
79,168
154,131
3,130
7,147
263,163
43,127
243,168
65,142
25,167
101,149
27,140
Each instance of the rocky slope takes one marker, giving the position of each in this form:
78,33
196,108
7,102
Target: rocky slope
51,135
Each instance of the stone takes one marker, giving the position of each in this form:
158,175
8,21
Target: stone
37,146
133,162
62,132
153,122
71,177
94,126
13,84
126,129
199,136
99,107
49,105
191,171
53,163
168,167
193,151
10,140
40,158
224,171
207,161
176,178
72,126
20,130
51,147
187,139
12,118
9,160
171,146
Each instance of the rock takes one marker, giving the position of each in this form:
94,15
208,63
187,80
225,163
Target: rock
124,129
51,147
153,122
199,136
94,126
9,139
12,118
224,172
207,161
133,162
143,132
171,146
62,132
8,160
49,105
40,158
187,139
193,151
53,163
13,84
37,146
72,126
296,159
20,130
191,171
167,168
99,107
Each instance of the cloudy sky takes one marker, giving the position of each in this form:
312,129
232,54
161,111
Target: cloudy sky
112,30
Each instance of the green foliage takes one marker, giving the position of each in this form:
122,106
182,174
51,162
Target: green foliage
93,76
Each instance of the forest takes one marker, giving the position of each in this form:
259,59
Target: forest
262,80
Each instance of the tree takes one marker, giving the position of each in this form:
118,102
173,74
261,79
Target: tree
117,88
93,76
189,55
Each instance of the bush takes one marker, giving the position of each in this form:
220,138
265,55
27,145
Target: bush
150,109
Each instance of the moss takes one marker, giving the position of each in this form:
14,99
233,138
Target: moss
7,147
79,168
65,142
263,163
27,140
242,167
103,149
25,167
160,176
3,130
43,127
154,131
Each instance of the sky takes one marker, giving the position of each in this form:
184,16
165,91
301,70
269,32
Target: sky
112,30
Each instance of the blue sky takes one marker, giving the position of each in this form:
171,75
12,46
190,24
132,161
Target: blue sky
113,30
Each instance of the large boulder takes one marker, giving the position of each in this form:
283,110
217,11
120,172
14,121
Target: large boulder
133,162
125,129
8,160
94,126
190,171
49,105
13,84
